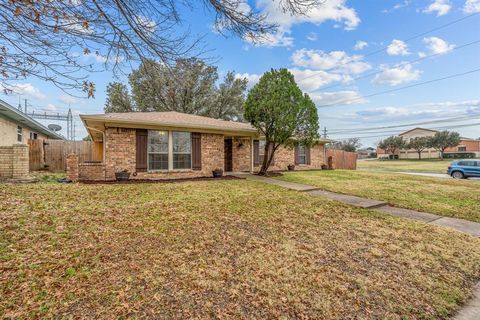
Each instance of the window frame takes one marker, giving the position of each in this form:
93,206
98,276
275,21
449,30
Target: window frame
261,150
462,149
33,135
300,155
156,152
176,153
170,151
19,134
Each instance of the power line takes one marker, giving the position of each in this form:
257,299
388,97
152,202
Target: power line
453,119
408,39
387,133
399,65
398,89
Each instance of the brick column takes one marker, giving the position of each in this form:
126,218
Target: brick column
20,169
72,167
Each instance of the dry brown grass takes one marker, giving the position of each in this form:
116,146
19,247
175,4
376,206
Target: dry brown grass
227,249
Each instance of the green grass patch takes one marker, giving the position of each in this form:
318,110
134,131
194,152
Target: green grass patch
446,197
220,249
424,165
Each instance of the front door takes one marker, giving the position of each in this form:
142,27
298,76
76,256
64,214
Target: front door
228,155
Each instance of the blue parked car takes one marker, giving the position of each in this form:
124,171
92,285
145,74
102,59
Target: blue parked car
460,169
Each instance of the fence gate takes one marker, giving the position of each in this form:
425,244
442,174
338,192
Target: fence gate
52,154
342,159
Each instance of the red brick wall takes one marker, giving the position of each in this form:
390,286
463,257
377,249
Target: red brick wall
285,156
120,154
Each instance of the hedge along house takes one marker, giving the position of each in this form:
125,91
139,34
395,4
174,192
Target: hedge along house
155,145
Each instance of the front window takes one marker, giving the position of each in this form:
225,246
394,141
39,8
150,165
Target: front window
157,150
302,155
182,150
462,149
261,150
33,136
19,134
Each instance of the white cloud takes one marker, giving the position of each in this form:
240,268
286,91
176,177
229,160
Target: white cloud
312,36
471,6
397,6
309,80
26,89
251,77
360,45
51,107
416,112
441,7
337,97
338,61
397,48
396,75
335,10
67,99
437,45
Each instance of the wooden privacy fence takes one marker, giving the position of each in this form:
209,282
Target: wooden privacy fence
340,159
52,154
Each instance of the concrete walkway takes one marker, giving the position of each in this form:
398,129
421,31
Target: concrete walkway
469,227
471,310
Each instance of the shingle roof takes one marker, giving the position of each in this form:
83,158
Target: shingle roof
172,118
18,116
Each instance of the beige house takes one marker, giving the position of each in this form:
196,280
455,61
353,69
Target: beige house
466,146
152,145
17,127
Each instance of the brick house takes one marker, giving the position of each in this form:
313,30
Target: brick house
155,145
467,147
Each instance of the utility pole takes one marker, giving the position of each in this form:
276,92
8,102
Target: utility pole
74,125
26,100
325,135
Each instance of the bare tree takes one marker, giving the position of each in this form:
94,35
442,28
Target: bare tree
50,39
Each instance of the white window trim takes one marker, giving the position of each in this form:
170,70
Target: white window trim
148,153
170,155
20,133
304,155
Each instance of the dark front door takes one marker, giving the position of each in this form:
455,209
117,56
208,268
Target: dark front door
228,155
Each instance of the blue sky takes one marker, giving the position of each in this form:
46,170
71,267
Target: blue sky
326,51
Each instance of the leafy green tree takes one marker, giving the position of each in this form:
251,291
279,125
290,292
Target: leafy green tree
189,87
281,112
118,98
350,145
443,140
419,144
228,100
391,144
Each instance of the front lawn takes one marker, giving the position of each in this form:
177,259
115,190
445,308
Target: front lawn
446,197
220,249
426,165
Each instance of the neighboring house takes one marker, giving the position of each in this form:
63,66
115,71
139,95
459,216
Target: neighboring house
17,127
466,148
173,145
366,153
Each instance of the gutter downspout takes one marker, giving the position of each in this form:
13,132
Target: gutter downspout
103,144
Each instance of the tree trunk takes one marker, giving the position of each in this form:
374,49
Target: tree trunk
267,159
419,155
265,162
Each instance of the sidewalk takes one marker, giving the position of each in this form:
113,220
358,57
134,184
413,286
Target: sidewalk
469,227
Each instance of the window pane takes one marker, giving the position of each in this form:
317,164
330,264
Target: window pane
182,150
182,161
158,161
261,148
181,142
157,141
